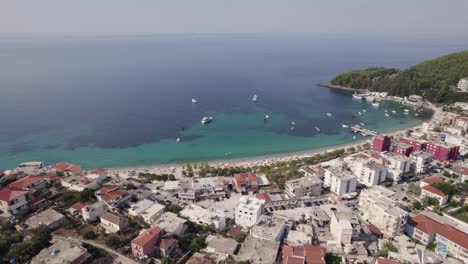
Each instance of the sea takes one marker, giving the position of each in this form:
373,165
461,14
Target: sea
122,101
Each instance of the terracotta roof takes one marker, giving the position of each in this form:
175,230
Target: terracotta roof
375,230
376,156
434,190
147,235
10,193
199,258
110,196
263,196
463,171
312,254
387,261
236,230
430,226
241,178
61,166
361,155
37,201
115,219
78,206
167,243
109,188
431,180
99,171
26,181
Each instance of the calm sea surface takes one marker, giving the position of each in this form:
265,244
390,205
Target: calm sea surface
123,101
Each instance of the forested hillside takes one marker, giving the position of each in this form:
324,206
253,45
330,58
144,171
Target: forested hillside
432,79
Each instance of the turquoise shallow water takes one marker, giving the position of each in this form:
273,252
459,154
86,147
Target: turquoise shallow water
118,102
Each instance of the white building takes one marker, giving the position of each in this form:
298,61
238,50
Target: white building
152,213
430,191
379,206
220,246
420,161
113,223
172,224
340,227
397,165
248,211
272,228
14,200
78,183
463,85
297,238
368,171
31,167
93,211
340,180
63,251
202,216
429,126
50,218
305,186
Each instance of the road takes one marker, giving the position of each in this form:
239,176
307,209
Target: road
119,257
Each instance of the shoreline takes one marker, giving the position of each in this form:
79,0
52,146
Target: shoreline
339,87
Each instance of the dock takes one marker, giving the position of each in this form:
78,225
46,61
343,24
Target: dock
364,131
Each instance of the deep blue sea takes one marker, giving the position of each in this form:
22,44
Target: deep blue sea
123,101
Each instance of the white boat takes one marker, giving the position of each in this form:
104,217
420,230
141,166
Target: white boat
206,120
406,110
177,140
267,116
387,115
228,153
328,114
255,98
293,123
406,113
393,111
344,126
358,96
376,104
354,137
194,101
292,128
359,113
363,110
318,129
362,124
416,114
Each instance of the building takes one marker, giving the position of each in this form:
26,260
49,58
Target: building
303,254
67,168
431,191
421,161
30,167
429,181
369,172
417,144
271,228
340,180
64,251
197,189
248,211
78,183
113,223
297,238
386,261
32,182
113,196
340,227
148,210
402,148
14,200
245,182
89,212
220,246
144,245
442,151
258,251
172,224
202,216
455,130
305,186
50,218
463,85
199,258
427,127
397,165
379,206
450,239
381,143
168,246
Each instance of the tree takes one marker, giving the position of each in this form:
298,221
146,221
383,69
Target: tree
332,259
42,235
446,188
112,241
86,195
165,260
25,250
70,199
414,188
427,200
89,234
417,205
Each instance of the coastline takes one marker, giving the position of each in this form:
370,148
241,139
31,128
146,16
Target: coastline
339,87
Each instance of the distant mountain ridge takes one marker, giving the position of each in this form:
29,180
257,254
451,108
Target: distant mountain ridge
432,79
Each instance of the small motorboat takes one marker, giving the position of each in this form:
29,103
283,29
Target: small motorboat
344,126
375,104
359,113
292,128
363,110
387,115
293,123
393,111
362,124
206,120
194,101
318,129
255,98
177,140
329,114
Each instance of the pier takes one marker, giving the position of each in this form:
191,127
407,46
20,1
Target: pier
364,131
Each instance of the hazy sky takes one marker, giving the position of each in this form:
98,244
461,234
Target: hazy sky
123,17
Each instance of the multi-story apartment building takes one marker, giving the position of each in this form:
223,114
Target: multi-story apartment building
442,151
416,143
379,206
381,143
402,148
448,238
340,180
15,200
248,211
431,191
368,171
340,227
420,161
397,165
305,186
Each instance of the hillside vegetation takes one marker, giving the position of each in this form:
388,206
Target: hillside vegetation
432,79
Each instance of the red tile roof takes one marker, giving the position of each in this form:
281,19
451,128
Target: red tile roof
434,190
361,155
430,226
387,261
110,196
241,178
99,171
431,180
463,171
167,243
78,206
26,181
263,196
10,193
312,254
65,166
147,236
375,230
109,188
115,219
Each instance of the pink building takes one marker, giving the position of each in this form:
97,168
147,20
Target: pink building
381,143
144,245
402,148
